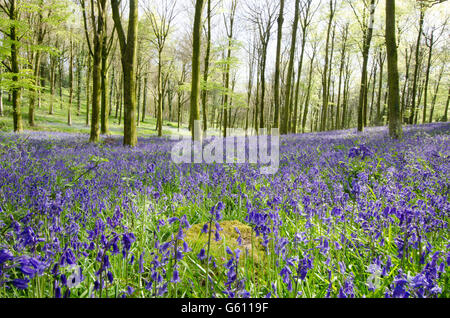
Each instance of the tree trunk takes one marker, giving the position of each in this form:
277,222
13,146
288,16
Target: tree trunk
416,67
287,100
104,120
194,107
433,103
325,70
427,78
367,39
16,91
276,123
128,47
395,124
69,108
206,70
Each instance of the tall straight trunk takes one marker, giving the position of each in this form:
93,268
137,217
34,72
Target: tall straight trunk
406,83
308,92
367,39
251,66
144,103
60,82
395,124
69,108
427,78
288,100
258,85
227,104
433,102
195,89
341,71
98,25
52,83
372,100
206,70
139,91
16,91
111,92
346,94
445,118
79,66
276,123
104,120
263,86
297,87
381,58
325,72
416,67
159,118
128,47
88,87
37,67
33,91
96,91
329,85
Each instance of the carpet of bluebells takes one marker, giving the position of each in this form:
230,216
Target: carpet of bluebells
346,215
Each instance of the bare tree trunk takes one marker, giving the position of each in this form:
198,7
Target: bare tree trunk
128,47
308,92
325,87
194,107
433,103
367,39
445,118
16,91
287,100
206,70
69,108
276,123
416,67
395,124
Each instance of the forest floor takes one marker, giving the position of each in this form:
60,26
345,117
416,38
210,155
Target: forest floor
346,215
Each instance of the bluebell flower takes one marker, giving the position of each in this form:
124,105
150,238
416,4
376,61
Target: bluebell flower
21,283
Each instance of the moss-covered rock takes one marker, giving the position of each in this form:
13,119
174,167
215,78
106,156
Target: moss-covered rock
251,247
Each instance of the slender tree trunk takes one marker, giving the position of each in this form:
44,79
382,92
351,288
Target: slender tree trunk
104,120
427,78
287,100
341,71
276,123
227,104
194,107
52,83
128,47
433,103
144,104
362,104
79,66
395,124
325,88
88,87
445,118
69,108
16,91
206,70
406,83
308,92
416,67
381,59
